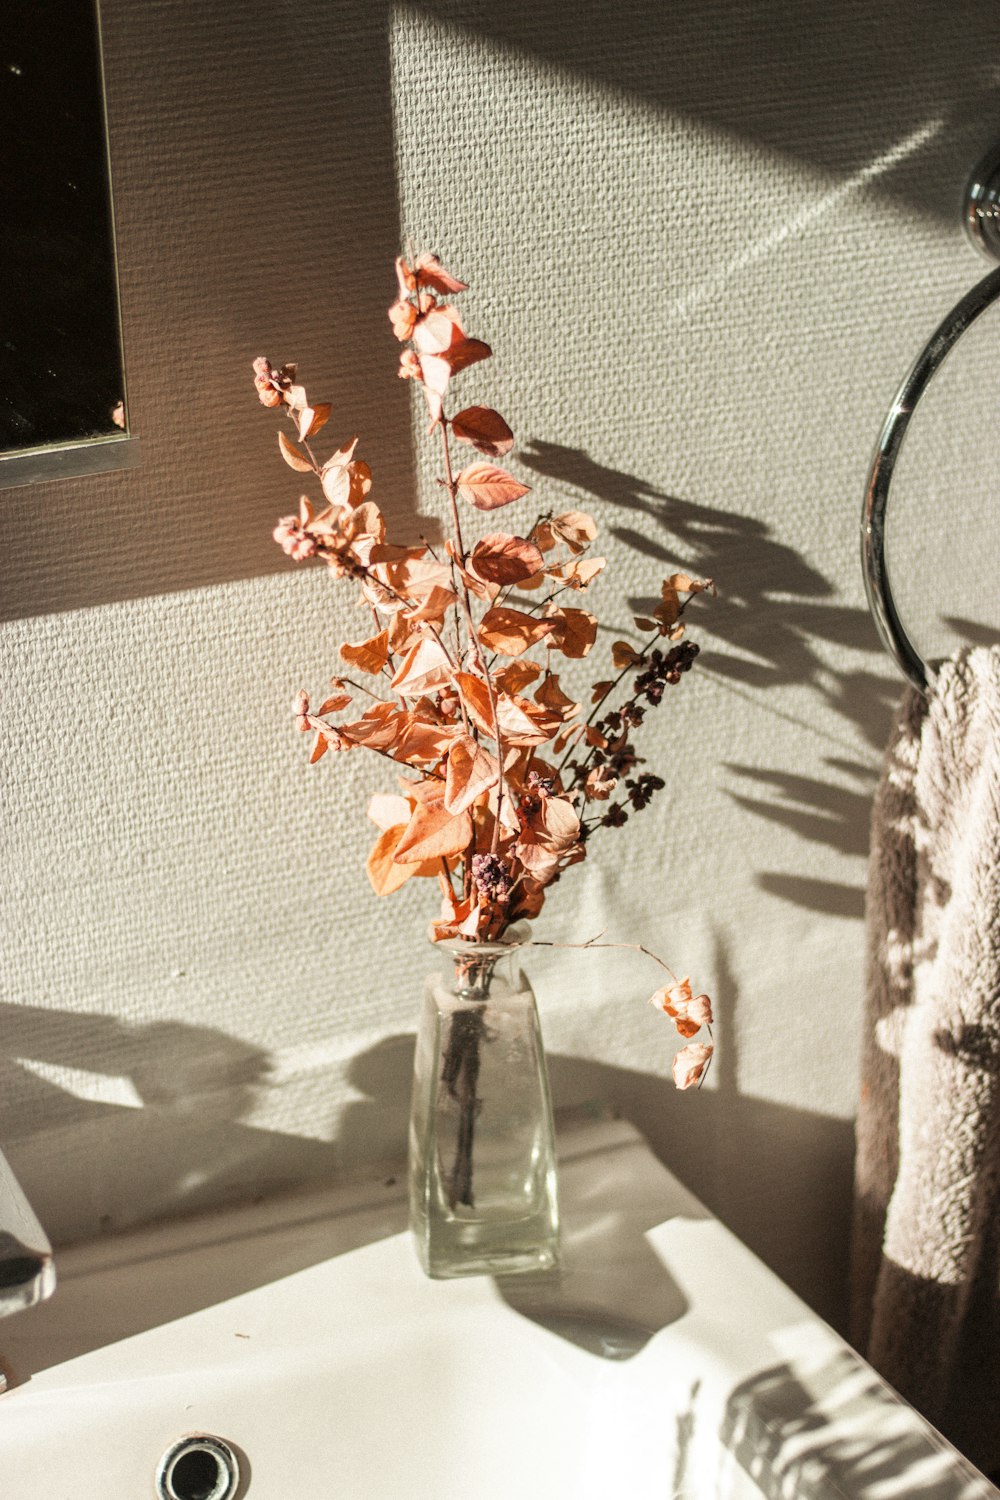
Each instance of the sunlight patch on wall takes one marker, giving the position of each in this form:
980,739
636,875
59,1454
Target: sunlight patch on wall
811,213
84,1083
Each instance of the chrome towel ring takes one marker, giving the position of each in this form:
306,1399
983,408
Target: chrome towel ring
982,221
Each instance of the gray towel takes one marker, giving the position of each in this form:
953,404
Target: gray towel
926,1272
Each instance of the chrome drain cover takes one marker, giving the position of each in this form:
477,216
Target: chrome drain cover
198,1467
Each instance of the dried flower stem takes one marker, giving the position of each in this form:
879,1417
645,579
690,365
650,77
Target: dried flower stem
595,942
460,1076
360,687
452,489
421,771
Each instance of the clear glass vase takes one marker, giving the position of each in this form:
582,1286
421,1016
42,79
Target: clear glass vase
483,1195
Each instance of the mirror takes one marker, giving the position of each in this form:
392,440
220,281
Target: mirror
61,368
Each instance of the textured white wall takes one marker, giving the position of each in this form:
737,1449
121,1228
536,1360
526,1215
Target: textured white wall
705,241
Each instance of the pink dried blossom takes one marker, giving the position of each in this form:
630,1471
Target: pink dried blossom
690,1063
292,537
271,383
688,1012
409,366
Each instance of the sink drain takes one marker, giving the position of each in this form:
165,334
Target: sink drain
198,1468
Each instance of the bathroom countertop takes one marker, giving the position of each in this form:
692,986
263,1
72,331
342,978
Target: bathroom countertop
663,1355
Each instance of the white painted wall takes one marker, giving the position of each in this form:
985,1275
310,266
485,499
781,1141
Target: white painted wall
705,241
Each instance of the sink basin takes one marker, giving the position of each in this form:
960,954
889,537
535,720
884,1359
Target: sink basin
663,1360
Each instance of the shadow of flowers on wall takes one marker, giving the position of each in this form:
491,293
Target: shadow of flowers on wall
771,627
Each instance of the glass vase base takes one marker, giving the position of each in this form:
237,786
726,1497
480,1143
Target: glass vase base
492,1250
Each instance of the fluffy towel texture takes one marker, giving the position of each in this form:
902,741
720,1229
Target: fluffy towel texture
926,1274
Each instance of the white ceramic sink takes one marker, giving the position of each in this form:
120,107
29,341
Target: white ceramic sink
664,1361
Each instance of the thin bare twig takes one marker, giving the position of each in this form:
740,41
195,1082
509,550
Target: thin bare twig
452,488
595,942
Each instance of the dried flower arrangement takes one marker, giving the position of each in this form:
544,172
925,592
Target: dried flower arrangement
504,784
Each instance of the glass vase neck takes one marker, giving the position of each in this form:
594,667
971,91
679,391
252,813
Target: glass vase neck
473,968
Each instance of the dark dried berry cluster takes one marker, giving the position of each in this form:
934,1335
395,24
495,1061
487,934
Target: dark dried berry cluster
617,755
640,791
638,794
665,668
492,876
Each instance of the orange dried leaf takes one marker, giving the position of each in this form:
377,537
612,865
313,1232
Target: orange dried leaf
435,372
688,1012
536,581
432,605
485,429
312,419
471,772
384,873
378,728
472,581
335,475
415,576
437,369
335,704
361,482
685,584
438,330
510,631
467,352
567,737
476,697
293,456
525,723
516,676
623,655
400,633
690,1063
434,833
574,527
599,784
558,823
551,695
575,632
579,573
487,487
504,559
429,792
455,917
430,272
421,742
425,666
368,656
669,607
320,746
